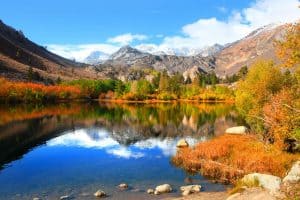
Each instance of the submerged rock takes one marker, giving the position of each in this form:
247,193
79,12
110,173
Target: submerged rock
237,130
294,174
150,191
36,198
100,194
269,182
182,143
123,186
165,188
66,197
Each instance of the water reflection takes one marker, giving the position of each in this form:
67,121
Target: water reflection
101,139
84,146
110,126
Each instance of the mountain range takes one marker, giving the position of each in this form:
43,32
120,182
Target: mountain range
18,54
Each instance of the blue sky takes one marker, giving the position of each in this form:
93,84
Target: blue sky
75,28
89,21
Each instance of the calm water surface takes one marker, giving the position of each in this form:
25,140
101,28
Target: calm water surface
76,149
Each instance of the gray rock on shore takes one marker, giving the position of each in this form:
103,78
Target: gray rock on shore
294,174
150,191
100,194
123,186
160,189
237,130
182,143
269,182
189,189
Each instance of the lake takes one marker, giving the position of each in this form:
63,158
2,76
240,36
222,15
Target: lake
76,149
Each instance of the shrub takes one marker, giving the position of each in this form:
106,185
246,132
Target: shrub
228,157
32,92
263,80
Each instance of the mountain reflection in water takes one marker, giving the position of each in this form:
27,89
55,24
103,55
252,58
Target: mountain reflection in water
100,139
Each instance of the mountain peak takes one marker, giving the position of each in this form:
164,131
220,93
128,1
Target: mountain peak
127,52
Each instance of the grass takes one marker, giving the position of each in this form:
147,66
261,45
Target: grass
228,158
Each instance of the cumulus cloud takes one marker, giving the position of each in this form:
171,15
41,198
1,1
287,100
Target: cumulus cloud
127,38
210,31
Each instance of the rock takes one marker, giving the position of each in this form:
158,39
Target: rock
36,198
165,188
66,197
123,186
269,182
135,190
294,174
100,194
186,192
182,143
237,130
150,191
191,188
252,194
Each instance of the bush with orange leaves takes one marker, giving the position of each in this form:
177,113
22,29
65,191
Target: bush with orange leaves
32,92
288,50
282,117
228,157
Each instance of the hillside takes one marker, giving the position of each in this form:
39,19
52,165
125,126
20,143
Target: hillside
17,53
257,45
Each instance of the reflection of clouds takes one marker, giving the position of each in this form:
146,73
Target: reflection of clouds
94,138
81,138
125,153
167,146
101,139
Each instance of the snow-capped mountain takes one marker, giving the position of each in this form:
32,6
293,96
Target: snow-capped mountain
155,50
96,57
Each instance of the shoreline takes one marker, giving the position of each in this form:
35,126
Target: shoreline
163,101
118,101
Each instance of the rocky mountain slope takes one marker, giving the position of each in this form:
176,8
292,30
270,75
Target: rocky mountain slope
257,45
130,57
224,60
17,54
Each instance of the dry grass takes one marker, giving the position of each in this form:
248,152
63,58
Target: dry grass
228,157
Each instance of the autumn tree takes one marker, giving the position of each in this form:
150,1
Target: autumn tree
263,80
164,82
288,49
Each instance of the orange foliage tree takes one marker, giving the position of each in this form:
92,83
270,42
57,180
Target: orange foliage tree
288,50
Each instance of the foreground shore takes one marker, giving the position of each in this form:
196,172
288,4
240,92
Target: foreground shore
249,194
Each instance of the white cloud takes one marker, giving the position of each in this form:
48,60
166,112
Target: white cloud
210,31
127,38
80,52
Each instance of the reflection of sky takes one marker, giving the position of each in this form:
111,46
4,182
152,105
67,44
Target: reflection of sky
101,139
